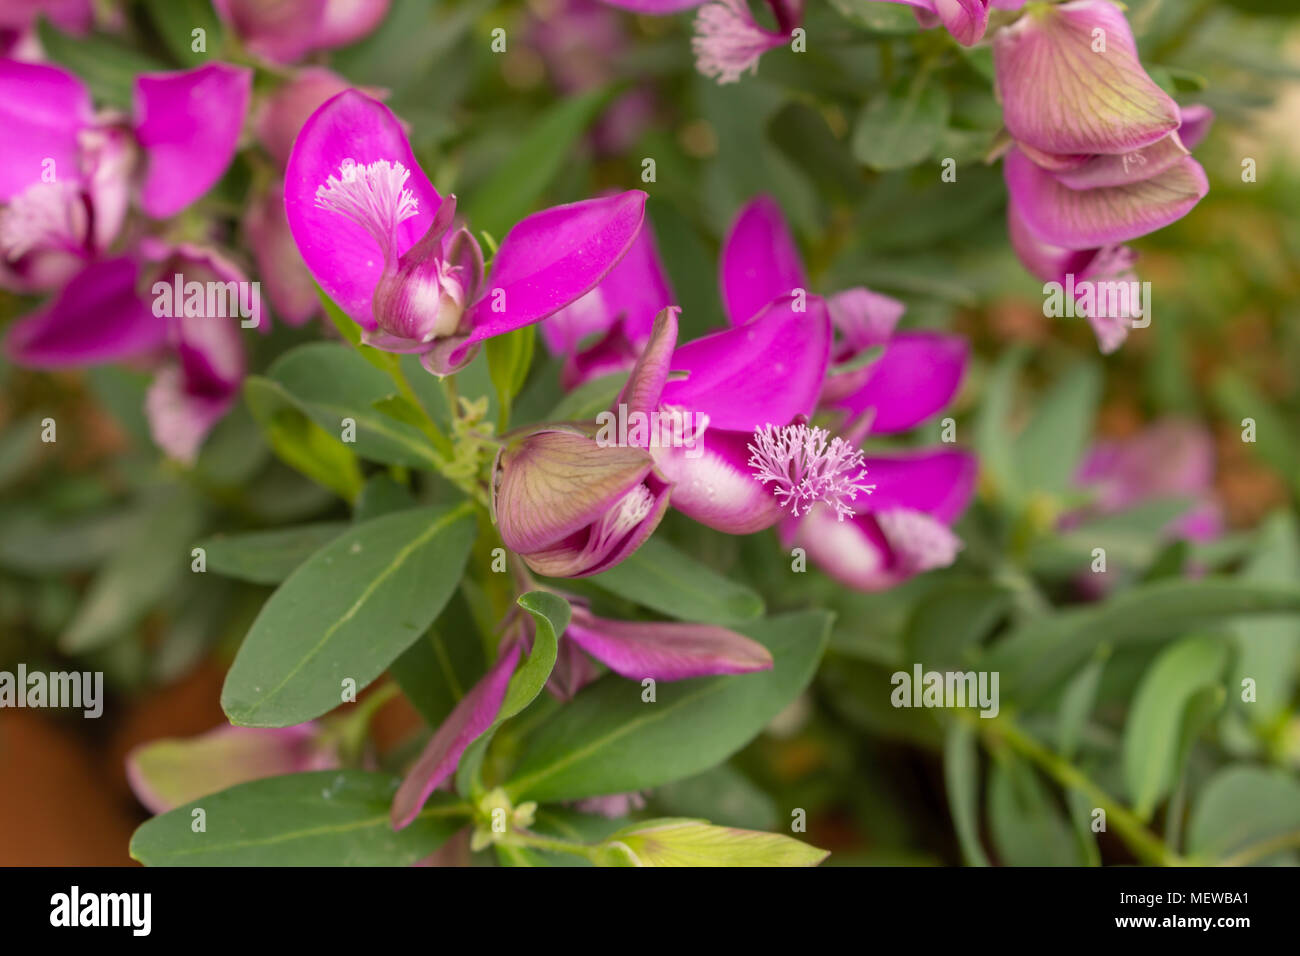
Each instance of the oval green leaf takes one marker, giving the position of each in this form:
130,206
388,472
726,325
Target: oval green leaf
325,818
348,612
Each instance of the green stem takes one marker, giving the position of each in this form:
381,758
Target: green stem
1257,851
1148,847
443,446
440,441
535,841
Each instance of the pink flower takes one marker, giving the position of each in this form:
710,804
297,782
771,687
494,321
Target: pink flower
381,242
199,382
1172,458
1098,159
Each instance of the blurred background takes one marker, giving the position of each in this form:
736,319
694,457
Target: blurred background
91,524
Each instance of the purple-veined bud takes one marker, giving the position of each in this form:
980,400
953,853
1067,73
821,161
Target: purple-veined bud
571,507
1070,82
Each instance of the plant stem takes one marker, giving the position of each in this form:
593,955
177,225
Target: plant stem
535,841
1257,851
1148,847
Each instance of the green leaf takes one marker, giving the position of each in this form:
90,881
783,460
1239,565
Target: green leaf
381,496
660,577
331,383
955,617
326,818
146,569
1152,731
299,442
1076,705
34,543
511,191
1246,807
436,671
608,740
900,127
696,843
176,19
1238,399
550,614
993,436
961,780
1028,828
407,43
589,399
20,448
1040,654
1268,647
107,66
509,358
1047,453
723,795
1131,539
347,613
268,557
877,16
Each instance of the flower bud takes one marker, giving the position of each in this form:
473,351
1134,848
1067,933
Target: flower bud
571,507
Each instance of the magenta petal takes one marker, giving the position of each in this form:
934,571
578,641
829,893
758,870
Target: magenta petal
1083,219
97,317
634,291
645,383
344,258
42,110
938,483
916,377
553,258
1196,122
759,261
470,718
1061,92
666,651
766,371
188,123
714,484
